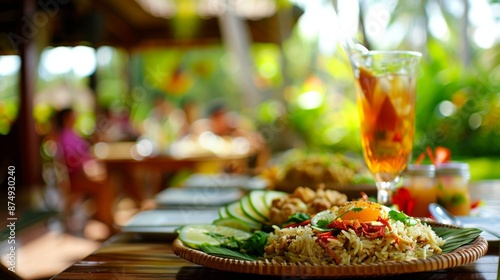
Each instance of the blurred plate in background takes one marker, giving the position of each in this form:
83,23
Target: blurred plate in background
197,197
164,222
489,225
225,180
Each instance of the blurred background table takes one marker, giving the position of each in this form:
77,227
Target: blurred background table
145,176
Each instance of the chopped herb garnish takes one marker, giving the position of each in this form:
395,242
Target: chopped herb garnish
323,223
298,218
402,217
255,244
354,209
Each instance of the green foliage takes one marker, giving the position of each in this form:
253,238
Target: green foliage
458,100
473,101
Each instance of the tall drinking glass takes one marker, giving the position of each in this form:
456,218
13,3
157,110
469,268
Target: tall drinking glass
385,97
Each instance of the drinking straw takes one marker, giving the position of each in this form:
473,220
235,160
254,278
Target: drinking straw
350,44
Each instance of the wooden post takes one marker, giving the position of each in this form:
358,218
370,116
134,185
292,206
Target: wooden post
237,40
28,138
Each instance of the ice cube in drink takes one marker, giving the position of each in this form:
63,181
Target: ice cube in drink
387,117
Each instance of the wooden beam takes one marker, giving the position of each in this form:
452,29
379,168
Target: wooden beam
116,25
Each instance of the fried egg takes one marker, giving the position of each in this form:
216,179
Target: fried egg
360,210
363,211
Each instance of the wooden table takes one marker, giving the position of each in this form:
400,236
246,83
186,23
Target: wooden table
125,256
144,176
121,154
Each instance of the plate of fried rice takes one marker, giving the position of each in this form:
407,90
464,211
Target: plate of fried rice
358,239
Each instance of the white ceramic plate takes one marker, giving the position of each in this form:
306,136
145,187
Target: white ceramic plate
167,221
194,197
225,181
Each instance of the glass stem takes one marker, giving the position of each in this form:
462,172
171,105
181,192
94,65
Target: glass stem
384,192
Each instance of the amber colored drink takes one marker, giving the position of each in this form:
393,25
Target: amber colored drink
385,93
387,116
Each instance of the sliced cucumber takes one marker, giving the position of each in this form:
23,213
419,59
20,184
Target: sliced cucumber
272,195
232,223
223,212
195,235
234,210
249,211
256,199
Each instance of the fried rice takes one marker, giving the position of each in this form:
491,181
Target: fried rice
400,243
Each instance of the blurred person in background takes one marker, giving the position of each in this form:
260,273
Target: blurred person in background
227,123
190,110
87,177
231,125
116,126
163,124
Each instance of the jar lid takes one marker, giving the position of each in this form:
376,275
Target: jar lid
426,170
453,168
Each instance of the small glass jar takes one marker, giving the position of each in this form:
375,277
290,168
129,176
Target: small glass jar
420,181
453,187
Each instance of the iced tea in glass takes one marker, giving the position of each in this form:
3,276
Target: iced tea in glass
385,94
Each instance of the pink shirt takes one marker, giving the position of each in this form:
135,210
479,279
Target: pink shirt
76,150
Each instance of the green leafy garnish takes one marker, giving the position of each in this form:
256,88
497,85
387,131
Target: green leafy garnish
354,209
298,218
226,253
402,217
323,223
456,237
230,247
255,244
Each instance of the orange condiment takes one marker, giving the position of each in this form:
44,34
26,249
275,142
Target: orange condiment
453,187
